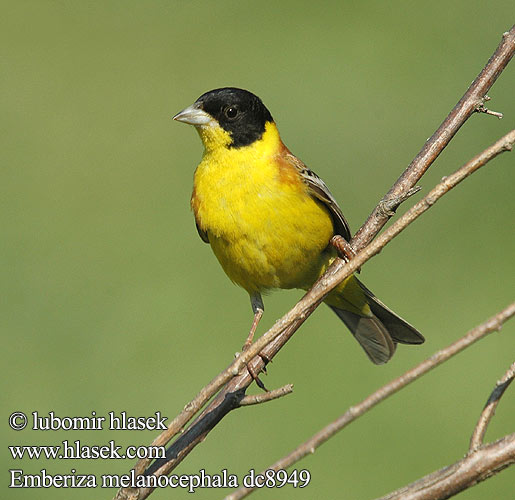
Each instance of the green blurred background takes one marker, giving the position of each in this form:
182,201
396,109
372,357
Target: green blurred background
110,301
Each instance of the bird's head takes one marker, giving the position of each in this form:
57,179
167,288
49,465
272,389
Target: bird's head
227,117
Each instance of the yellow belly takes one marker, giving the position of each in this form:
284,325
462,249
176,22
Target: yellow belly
275,249
264,227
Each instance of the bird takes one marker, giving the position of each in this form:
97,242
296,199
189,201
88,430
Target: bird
269,219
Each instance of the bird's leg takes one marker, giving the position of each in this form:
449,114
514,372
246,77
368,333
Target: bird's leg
258,308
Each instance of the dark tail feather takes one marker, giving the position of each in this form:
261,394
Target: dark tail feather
370,333
400,330
379,333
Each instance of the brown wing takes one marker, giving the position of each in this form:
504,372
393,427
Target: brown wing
320,191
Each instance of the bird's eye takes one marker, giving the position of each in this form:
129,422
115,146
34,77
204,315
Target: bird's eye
231,112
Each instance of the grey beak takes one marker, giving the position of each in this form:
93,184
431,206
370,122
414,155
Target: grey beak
193,115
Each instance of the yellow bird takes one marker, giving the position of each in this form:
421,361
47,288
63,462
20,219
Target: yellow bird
269,218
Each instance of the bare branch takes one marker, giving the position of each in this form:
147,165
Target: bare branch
466,106
263,397
471,470
483,109
309,446
488,411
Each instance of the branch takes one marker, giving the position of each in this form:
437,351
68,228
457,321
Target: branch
309,446
472,101
284,328
480,463
263,397
471,470
488,411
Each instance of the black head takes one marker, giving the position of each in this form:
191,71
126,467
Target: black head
238,111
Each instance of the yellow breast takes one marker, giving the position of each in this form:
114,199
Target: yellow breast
264,227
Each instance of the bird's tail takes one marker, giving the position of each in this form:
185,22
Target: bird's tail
377,328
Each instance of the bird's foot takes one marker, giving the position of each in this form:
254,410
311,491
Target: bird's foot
252,371
344,248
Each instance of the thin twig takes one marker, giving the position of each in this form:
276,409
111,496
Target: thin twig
471,470
466,106
483,109
387,207
478,435
263,397
309,446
